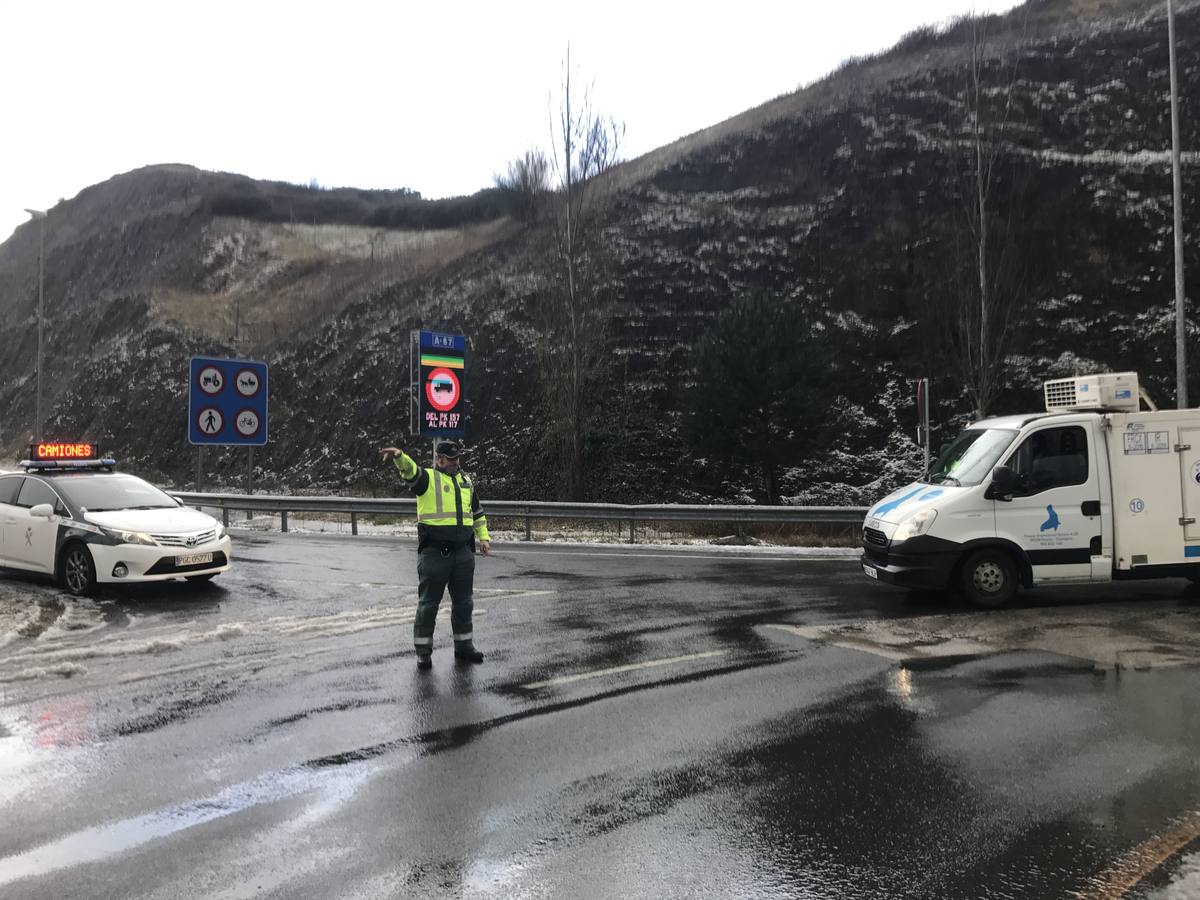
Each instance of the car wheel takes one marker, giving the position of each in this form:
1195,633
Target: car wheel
200,579
989,578
77,572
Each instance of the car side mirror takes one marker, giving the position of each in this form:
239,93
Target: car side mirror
1004,483
42,510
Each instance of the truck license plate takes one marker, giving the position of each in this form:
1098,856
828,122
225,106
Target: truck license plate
868,570
193,559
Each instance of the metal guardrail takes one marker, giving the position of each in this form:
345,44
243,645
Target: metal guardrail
533,509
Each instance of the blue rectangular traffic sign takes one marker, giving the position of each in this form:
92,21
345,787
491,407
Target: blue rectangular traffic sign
227,402
442,369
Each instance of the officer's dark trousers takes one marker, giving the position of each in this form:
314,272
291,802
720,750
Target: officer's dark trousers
438,568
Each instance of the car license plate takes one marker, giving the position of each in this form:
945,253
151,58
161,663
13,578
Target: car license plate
870,571
193,559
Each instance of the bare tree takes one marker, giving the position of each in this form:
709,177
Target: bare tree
526,184
979,324
572,357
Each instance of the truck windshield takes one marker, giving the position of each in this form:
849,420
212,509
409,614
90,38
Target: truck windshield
971,457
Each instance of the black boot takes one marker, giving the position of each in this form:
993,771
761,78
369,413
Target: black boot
424,661
465,652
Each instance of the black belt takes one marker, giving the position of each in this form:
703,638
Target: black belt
446,547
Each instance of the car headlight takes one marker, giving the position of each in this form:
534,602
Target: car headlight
915,525
131,537
220,531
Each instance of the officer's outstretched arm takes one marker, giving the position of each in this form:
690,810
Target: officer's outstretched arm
405,463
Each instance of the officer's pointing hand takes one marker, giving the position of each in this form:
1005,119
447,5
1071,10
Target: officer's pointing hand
388,453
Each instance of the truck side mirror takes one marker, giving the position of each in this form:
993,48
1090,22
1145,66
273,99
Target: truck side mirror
1004,483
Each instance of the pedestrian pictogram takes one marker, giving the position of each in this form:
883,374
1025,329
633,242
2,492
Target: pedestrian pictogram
247,383
209,421
442,389
227,402
247,423
211,380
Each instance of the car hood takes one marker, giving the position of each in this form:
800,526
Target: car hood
172,520
899,505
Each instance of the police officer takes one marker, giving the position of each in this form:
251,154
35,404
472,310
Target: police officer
449,521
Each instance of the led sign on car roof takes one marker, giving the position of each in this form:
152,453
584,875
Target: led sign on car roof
47,450
66,455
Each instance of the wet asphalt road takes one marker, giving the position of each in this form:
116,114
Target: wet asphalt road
640,728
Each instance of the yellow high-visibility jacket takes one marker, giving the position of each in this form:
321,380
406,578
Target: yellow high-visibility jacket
448,509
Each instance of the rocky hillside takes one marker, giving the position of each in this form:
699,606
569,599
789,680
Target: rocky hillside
847,202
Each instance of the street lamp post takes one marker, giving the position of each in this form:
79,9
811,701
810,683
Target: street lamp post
40,215
1181,391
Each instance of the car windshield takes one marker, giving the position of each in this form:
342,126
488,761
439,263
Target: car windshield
107,492
971,457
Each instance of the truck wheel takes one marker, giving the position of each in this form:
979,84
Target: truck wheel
76,571
989,578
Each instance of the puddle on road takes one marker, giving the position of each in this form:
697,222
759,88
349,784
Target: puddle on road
1128,637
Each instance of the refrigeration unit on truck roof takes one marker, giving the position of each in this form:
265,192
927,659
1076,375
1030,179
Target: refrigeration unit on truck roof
1116,391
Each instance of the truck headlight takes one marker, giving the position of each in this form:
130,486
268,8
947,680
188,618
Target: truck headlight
915,525
131,537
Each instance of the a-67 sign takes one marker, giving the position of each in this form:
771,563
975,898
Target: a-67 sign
440,382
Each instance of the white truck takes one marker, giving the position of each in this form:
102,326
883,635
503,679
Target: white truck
1094,489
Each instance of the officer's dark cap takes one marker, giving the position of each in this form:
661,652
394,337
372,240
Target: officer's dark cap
448,449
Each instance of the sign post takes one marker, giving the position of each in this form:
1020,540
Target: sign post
923,436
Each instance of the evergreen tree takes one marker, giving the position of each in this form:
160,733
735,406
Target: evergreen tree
763,375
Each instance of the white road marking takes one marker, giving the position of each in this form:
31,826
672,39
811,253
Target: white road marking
98,843
509,594
600,673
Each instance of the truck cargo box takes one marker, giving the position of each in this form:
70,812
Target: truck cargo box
1154,458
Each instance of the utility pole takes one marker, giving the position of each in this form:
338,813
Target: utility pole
1181,391
40,215
923,436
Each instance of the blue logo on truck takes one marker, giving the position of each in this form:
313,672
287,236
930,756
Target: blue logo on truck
1052,522
886,508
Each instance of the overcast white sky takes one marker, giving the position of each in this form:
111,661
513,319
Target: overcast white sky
435,97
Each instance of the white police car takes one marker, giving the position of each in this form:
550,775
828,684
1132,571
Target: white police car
69,515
